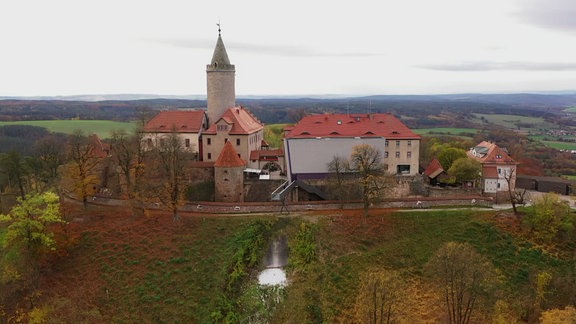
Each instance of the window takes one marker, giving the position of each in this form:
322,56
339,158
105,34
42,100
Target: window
225,140
222,127
408,154
397,143
498,185
499,171
498,156
386,154
409,143
397,154
187,142
209,156
386,143
149,142
237,141
208,141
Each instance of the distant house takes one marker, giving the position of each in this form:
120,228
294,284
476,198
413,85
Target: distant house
187,124
498,168
314,141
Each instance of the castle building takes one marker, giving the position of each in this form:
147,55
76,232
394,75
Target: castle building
229,175
316,139
227,122
187,124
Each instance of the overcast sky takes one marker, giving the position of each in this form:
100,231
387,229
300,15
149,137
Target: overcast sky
73,47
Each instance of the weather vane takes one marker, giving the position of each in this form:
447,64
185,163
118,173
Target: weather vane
218,24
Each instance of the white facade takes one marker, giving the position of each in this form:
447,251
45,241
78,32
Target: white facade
309,157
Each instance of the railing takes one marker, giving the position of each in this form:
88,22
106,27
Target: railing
282,191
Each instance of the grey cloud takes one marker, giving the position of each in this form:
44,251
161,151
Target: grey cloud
555,14
501,66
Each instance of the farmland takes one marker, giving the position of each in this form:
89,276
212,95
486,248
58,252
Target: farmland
102,128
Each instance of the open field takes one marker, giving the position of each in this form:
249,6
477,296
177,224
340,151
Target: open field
515,122
102,128
121,268
461,132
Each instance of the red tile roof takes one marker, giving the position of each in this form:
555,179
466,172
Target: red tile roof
355,125
242,121
229,157
434,169
488,152
99,149
183,121
266,155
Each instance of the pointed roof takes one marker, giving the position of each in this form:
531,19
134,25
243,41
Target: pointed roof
182,121
434,169
220,60
229,158
241,120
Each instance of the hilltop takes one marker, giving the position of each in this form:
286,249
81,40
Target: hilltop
112,267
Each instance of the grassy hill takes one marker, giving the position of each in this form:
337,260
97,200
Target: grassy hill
121,269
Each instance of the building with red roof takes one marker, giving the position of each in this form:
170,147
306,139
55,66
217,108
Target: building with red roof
187,124
238,126
314,141
498,168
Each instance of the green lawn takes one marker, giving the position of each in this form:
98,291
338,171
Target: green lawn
102,128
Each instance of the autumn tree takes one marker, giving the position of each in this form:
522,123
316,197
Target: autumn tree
464,278
559,316
366,162
29,236
82,162
379,296
550,218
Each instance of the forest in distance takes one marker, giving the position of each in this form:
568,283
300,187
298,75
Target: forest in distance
542,125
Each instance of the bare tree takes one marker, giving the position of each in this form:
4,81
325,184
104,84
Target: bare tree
516,197
464,276
366,161
338,182
169,169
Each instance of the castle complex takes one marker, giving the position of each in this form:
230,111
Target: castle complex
231,139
